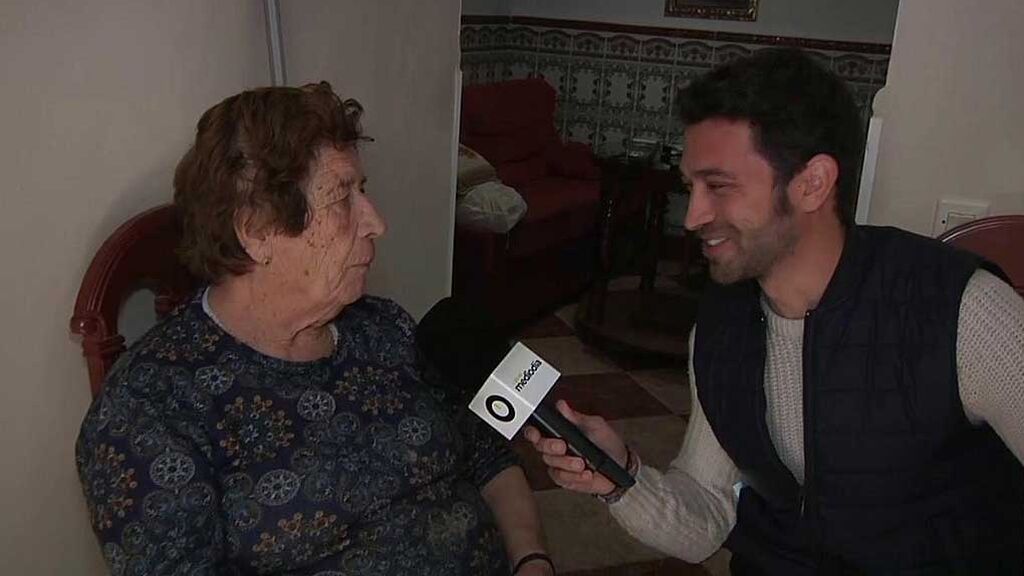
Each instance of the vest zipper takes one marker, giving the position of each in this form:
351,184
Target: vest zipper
807,489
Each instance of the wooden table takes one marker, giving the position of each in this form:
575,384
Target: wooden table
646,321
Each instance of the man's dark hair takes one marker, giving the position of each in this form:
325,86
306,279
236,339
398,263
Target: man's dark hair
796,109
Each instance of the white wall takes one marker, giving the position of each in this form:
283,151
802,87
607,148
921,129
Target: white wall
853,21
100,99
485,7
399,59
953,111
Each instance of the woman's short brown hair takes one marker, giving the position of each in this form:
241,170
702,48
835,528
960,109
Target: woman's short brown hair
252,152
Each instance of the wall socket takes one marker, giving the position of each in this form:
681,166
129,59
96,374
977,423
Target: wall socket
952,212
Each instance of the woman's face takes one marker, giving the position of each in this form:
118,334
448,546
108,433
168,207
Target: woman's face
326,264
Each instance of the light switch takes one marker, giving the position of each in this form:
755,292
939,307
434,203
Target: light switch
952,212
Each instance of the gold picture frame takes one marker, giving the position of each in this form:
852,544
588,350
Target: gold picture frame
745,10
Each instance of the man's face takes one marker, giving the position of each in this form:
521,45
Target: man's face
745,224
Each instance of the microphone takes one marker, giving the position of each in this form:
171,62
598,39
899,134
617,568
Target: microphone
464,346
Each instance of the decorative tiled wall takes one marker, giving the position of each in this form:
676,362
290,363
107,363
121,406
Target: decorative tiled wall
616,84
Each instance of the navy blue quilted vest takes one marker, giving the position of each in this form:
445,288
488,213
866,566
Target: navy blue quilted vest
897,480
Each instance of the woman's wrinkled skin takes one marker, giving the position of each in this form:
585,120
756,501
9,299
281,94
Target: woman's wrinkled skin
301,282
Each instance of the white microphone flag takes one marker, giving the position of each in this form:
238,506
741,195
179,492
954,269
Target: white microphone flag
514,390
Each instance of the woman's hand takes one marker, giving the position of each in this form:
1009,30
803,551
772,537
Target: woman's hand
570,472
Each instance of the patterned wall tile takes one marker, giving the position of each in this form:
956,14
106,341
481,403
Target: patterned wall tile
615,88
469,39
881,70
864,96
588,44
619,84
683,76
499,37
560,118
519,64
655,91
470,69
623,47
554,69
613,136
482,68
521,38
658,50
557,41
581,126
646,141
695,54
728,52
485,38
823,58
496,65
653,127
585,81
854,67
674,131
583,132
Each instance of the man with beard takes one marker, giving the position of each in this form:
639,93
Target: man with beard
858,406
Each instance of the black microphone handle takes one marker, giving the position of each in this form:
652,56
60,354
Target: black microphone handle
556,425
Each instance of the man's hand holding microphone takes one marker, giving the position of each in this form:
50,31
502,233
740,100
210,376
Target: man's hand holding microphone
570,471
508,383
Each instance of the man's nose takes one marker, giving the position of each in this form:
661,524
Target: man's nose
698,211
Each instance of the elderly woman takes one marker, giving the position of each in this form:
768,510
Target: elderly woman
282,422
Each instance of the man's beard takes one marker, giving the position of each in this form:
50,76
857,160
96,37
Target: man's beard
757,251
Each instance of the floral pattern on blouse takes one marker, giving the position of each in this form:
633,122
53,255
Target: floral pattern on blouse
203,456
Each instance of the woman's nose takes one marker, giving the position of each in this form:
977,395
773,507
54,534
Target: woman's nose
371,223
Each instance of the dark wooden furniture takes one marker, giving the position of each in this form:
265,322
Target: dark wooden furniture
140,254
640,321
999,239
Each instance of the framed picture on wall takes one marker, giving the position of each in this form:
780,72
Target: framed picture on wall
714,9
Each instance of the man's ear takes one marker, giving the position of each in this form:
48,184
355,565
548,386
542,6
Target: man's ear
252,234
812,187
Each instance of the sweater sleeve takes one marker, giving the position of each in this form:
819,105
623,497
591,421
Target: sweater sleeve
148,482
990,358
688,510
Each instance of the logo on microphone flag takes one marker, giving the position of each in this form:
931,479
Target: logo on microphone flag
513,390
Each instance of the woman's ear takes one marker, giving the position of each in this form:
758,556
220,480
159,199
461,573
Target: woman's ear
815,184
252,235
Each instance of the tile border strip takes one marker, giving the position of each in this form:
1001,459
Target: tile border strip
709,35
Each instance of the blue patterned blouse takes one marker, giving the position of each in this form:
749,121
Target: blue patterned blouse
203,456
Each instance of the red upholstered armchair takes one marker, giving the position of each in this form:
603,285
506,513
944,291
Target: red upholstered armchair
550,255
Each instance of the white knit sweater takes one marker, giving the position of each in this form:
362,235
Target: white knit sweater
688,510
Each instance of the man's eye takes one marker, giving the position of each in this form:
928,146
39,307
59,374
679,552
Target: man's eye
718,186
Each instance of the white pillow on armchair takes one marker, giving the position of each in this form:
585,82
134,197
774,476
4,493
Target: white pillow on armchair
490,206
